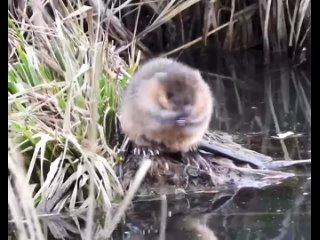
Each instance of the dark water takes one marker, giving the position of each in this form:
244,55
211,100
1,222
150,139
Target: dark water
278,212
254,104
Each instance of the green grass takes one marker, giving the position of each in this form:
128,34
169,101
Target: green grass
64,88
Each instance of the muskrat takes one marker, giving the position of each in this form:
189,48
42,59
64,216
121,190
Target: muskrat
168,104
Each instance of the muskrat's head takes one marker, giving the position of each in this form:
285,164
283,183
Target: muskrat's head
177,95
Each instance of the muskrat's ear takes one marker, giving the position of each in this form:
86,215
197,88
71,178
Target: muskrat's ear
161,76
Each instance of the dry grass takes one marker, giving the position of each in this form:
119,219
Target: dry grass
281,27
63,92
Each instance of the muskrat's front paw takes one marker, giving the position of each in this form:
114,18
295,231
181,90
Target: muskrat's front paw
193,149
146,151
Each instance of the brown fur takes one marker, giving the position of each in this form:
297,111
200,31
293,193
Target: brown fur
160,94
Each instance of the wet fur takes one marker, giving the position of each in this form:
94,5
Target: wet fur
168,103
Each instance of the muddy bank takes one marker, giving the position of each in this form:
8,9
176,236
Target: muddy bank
205,171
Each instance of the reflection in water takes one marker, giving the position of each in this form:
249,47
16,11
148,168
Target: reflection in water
188,228
180,226
280,212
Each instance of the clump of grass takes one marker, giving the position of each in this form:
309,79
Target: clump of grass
280,27
64,87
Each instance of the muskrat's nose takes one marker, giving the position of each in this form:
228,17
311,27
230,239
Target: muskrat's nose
183,117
